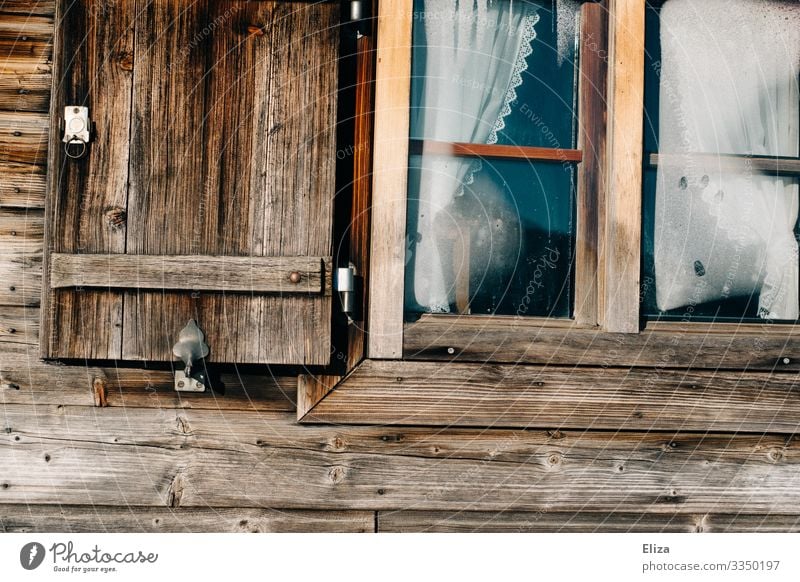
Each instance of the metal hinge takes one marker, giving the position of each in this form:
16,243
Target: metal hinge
345,285
359,16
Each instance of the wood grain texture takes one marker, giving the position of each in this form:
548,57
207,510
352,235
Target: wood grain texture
767,347
313,388
592,96
388,248
359,231
24,379
25,43
231,152
22,185
196,458
582,522
247,152
191,272
621,216
25,92
88,197
82,519
436,394
23,137
29,7
20,256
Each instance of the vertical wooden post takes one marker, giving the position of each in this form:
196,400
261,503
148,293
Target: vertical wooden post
592,97
390,177
621,215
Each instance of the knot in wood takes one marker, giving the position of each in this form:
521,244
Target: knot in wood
116,217
183,426
554,459
337,443
775,455
125,61
255,30
337,474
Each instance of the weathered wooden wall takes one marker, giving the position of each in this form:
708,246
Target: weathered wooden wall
93,449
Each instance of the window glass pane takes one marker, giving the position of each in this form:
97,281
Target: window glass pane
495,71
543,114
491,72
504,245
721,87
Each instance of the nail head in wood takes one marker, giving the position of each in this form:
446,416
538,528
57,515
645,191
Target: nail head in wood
295,277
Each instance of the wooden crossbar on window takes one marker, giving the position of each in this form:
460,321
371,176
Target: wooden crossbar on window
489,151
772,165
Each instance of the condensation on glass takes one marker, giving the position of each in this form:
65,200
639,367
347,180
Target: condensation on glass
490,236
721,95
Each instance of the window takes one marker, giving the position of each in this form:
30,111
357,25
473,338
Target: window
615,359
721,143
504,127
492,178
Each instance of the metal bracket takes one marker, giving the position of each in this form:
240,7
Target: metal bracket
191,348
184,383
77,130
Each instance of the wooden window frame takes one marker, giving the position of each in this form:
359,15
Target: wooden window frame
600,369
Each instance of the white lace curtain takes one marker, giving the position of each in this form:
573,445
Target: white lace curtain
468,62
729,85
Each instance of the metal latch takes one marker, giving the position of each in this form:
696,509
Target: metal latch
191,348
77,131
345,285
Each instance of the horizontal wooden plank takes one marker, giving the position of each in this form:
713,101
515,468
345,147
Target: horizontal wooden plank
191,272
433,393
21,239
87,519
202,458
21,231
26,42
25,379
582,522
23,137
774,165
25,91
39,7
22,185
494,151
767,346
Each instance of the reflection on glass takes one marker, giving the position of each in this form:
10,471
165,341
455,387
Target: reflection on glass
722,87
504,245
491,72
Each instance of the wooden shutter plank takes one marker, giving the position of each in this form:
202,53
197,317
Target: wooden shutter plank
262,170
293,139
191,272
88,211
168,202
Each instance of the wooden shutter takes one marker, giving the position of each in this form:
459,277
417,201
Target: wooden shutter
207,191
